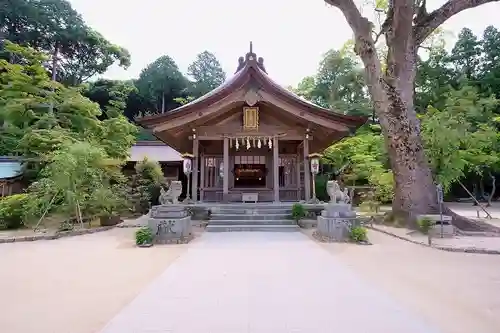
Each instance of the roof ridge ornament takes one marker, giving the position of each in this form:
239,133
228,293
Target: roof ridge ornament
251,59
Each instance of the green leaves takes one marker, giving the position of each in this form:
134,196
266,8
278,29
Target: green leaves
461,138
367,162
160,82
74,174
339,84
207,73
41,115
55,29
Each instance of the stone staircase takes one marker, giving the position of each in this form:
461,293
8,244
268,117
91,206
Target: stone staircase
251,217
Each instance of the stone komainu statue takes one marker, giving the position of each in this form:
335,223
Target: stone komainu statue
336,195
171,195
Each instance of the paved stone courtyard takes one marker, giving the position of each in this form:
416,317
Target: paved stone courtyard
262,282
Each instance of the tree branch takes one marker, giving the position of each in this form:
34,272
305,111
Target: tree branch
352,15
428,23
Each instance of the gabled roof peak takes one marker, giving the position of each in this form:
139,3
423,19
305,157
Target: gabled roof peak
251,59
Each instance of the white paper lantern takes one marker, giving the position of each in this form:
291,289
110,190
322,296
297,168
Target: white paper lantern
221,170
315,165
187,165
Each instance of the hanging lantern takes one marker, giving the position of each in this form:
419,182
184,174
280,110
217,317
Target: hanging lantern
253,142
221,169
187,163
314,160
258,143
270,143
237,144
248,144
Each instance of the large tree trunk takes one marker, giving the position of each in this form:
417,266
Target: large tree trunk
392,94
55,61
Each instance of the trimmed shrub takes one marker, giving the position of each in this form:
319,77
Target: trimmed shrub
298,212
143,236
358,234
12,211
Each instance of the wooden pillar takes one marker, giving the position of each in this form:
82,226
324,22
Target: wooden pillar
202,175
276,183
194,174
225,179
297,167
307,171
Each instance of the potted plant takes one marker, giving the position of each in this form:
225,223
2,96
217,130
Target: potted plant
358,234
298,212
144,237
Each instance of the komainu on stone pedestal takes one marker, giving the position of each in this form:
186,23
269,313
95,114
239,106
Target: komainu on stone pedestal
335,222
170,224
336,195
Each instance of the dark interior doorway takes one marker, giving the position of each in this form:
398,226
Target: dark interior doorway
249,175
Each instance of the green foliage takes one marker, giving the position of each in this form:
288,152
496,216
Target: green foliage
367,161
66,226
457,98
160,82
109,200
339,85
143,236
75,177
358,234
369,203
41,116
298,212
320,183
54,28
425,224
144,187
206,72
12,211
461,137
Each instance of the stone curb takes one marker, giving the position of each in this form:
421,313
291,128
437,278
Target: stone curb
131,226
442,248
57,235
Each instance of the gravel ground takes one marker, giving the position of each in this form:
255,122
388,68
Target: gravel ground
76,284
459,292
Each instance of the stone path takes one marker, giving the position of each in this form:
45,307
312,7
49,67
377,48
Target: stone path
261,282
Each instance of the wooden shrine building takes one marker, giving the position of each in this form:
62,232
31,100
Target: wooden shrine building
250,135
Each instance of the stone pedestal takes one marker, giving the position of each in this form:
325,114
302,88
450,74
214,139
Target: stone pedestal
170,224
335,222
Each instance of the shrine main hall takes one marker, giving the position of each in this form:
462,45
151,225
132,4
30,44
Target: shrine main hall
250,138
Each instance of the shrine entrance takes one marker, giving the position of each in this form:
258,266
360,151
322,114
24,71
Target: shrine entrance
250,139
250,171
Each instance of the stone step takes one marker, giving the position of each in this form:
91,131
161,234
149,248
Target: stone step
251,222
270,217
250,227
250,211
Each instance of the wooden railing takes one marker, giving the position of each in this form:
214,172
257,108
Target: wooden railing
288,194
285,194
212,195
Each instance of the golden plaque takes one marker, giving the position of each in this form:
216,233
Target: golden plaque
251,118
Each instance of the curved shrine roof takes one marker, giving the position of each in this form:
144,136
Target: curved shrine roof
251,72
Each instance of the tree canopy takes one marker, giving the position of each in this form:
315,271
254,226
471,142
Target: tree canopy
458,112
389,53
206,72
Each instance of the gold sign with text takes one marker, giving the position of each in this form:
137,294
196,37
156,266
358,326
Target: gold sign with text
251,118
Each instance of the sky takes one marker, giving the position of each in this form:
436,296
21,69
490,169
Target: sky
291,35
